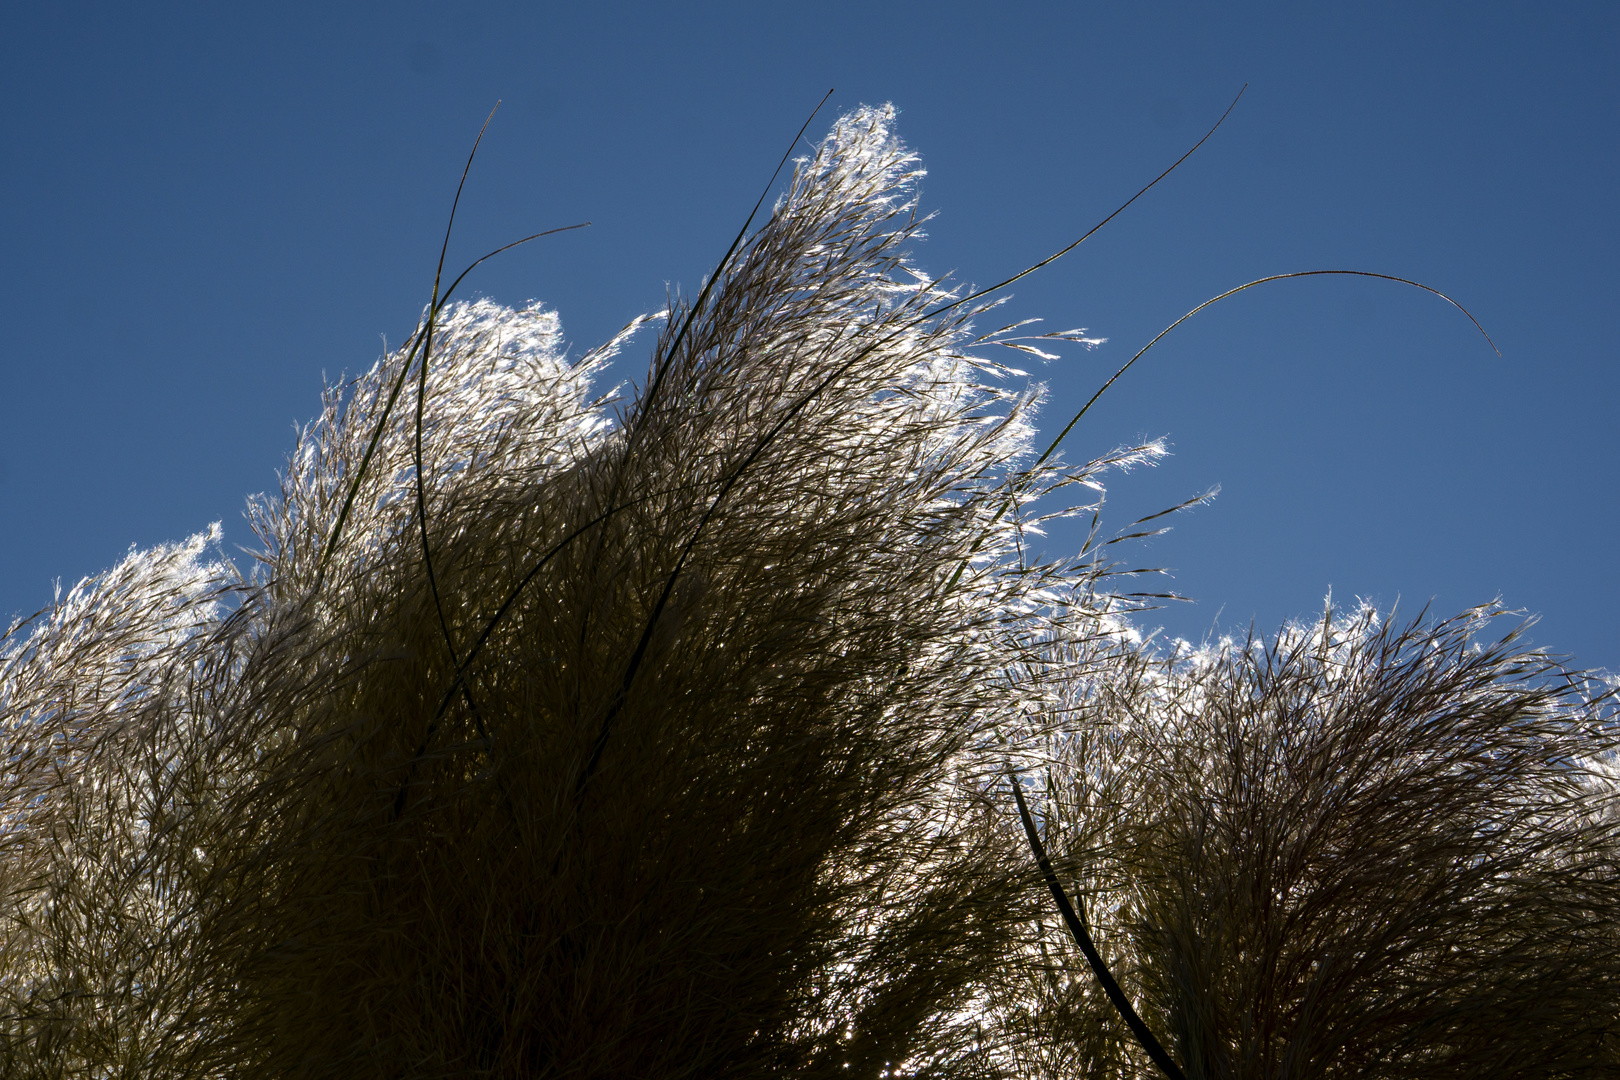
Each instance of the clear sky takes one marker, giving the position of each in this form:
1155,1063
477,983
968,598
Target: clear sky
207,207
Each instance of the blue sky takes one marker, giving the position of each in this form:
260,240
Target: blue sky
206,207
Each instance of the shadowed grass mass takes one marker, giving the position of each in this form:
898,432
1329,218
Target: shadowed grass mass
673,741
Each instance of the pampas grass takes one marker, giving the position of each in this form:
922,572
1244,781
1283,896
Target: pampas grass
549,739
1355,849
686,781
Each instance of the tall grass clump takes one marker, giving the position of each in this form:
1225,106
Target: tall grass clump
552,737
549,741
1354,849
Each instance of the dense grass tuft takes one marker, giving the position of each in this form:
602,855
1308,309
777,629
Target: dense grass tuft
549,740
1356,849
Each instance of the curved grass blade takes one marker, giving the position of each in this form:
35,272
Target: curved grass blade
1233,292
1077,928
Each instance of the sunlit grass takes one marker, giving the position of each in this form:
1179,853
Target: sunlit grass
548,738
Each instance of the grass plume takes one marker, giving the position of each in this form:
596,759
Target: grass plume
1355,849
545,738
